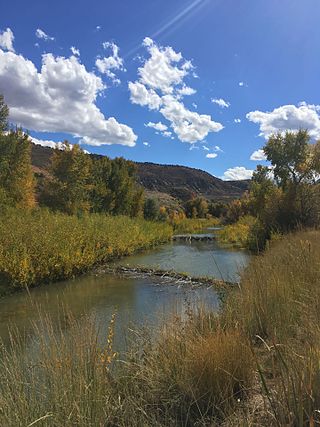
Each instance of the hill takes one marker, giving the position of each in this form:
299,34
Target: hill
166,182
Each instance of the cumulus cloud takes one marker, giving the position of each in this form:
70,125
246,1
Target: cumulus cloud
187,125
157,126
211,155
237,120
59,98
186,91
75,51
107,65
161,86
164,69
221,102
42,35
288,117
237,173
6,40
140,95
258,155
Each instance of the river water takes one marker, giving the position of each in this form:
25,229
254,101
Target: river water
135,300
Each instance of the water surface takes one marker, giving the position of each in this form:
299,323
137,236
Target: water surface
136,300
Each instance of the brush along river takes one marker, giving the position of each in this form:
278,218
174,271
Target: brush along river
137,297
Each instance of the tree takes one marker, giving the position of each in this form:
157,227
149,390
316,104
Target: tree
151,209
293,158
69,188
296,168
261,189
16,175
196,208
4,115
101,195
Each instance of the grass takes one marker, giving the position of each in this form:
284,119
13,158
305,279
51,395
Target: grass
189,372
237,234
189,225
41,246
278,309
254,363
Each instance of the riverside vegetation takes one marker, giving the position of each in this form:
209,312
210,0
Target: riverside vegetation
42,246
254,363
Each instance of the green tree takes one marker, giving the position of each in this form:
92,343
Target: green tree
294,159
69,188
101,195
151,209
296,168
16,175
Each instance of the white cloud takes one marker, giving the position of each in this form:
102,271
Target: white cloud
188,126
186,91
42,35
157,126
113,62
167,134
258,155
6,40
46,143
237,120
140,95
146,144
164,69
59,98
221,102
52,144
160,87
237,173
288,117
241,84
75,51
211,155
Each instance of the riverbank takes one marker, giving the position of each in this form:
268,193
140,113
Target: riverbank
255,363
40,247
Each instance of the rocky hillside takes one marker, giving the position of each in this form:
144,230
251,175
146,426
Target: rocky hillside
178,182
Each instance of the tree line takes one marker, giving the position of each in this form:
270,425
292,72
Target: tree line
76,182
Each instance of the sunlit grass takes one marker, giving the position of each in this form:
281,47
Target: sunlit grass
41,246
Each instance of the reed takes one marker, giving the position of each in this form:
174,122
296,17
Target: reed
42,246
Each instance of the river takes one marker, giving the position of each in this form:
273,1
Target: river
135,300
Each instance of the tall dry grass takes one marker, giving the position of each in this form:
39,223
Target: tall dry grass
189,373
278,308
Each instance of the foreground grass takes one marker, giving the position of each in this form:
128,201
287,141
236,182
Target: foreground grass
40,246
190,372
256,363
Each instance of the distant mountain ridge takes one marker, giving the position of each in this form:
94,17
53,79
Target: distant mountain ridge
179,182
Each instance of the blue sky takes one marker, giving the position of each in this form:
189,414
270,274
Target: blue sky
200,83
